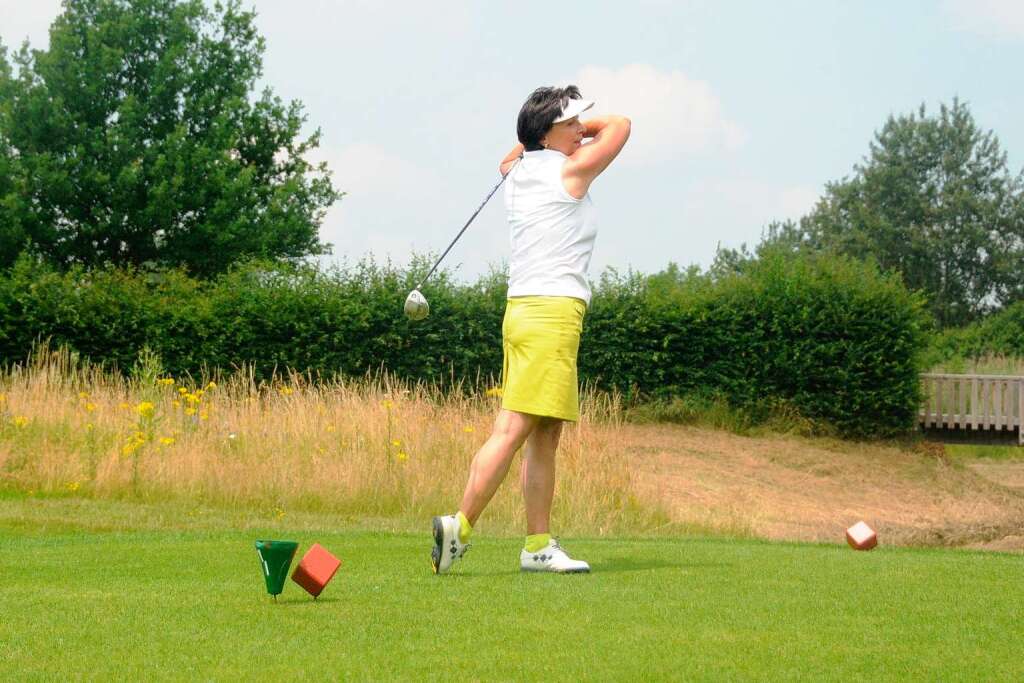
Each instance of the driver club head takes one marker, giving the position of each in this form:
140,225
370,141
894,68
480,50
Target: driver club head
416,306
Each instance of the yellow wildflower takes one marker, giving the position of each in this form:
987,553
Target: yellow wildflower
192,398
468,429
204,415
190,411
182,390
330,428
137,441
494,391
89,407
211,385
402,456
82,394
387,404
89,427
396,442
145,409
176,404
20,421
72,486
199,393
123,405
3,397
286,391
166,381
167,440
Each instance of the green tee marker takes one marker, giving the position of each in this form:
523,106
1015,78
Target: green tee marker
275,560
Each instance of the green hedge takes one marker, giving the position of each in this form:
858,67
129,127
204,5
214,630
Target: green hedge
1001,334
832,337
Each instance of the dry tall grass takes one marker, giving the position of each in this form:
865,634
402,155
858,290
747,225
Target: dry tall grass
391,455
375,447
991,364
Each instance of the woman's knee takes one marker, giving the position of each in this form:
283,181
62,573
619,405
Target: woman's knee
513,428
546,434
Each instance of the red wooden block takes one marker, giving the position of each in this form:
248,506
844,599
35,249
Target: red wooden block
316,569
861,537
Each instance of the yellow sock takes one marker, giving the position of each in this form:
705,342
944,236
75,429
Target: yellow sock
465,528
537,541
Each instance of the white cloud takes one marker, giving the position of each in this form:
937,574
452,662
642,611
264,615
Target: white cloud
395,207
737,209
372,27
30,20
672,114
796,201
364,169
993,18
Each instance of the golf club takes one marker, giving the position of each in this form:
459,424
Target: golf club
416,306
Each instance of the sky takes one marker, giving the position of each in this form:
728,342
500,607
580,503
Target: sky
741,111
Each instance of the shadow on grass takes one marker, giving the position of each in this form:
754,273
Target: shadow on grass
298,602
630,563
612,565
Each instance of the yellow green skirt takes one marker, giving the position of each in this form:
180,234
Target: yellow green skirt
541,337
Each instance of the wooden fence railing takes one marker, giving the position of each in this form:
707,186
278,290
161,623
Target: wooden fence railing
973,402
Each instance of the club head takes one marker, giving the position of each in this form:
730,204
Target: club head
416,306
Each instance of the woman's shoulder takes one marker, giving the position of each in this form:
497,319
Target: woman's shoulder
543,175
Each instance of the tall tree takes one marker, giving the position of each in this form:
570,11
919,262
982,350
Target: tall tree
141,140
11,236
935,200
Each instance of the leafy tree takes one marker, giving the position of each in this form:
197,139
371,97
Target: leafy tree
11,237
935,201
778,237
141,141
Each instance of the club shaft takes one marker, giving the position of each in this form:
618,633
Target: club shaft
478,210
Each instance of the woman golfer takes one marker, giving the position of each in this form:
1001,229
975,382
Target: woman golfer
553,231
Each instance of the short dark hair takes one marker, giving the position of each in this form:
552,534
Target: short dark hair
539,112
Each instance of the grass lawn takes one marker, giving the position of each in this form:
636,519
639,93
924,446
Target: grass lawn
984,452
87,592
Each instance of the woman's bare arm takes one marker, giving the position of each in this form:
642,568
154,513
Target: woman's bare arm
609,135
510,158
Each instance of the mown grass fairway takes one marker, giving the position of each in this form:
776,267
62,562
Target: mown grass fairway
85,594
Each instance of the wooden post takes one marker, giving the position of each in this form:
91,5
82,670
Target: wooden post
1020,412
974,402
986,399
931,401
929,392
939,399
997,400
962,391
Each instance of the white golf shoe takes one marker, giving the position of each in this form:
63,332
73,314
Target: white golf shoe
551,558
447,546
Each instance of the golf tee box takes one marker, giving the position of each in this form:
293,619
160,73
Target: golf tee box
316,569
275,560
861,537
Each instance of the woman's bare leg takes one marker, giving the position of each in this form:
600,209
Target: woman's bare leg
538,474
491,463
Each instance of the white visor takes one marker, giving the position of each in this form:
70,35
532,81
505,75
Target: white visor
574,108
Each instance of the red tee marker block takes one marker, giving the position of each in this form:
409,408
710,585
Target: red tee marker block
861,537
316,569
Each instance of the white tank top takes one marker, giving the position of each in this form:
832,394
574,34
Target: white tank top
553,233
